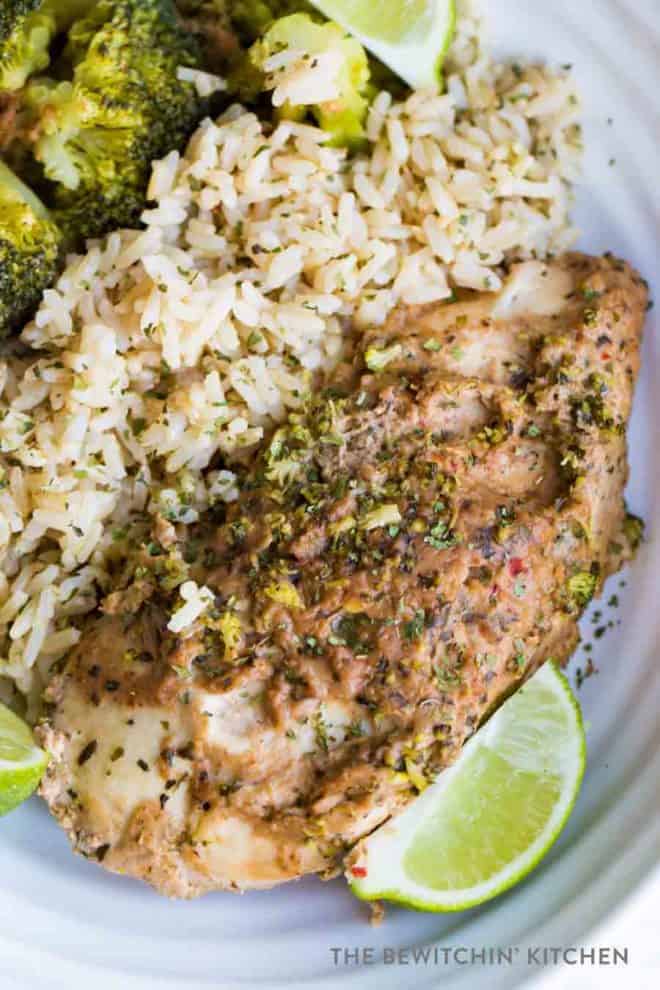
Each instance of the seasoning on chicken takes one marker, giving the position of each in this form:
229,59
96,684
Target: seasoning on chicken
270,685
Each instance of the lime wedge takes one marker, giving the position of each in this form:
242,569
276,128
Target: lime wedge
489,819
22,763
409,36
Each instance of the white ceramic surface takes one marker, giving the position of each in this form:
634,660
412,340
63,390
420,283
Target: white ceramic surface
65,923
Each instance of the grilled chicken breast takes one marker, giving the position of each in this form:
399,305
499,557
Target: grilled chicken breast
401,558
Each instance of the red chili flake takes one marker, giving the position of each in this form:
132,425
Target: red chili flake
516,566
605,356
493,591
359,871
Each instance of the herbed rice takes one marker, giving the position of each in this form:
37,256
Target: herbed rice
164,352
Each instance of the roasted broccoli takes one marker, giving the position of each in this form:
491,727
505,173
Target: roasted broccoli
344,113
25,35
30,244
96,132
582,587
633,528
27,28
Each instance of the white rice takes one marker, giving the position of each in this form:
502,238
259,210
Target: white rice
164,349
194,602
204,82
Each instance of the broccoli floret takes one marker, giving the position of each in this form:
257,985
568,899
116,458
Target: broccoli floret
27,28
25,35
342,115
30,245
12,11
582,587
97,134
252,18
633,528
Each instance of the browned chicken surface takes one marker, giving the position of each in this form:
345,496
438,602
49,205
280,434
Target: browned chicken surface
401,558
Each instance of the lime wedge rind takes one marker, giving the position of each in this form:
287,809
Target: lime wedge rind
25,762
418,54
384,853
22,762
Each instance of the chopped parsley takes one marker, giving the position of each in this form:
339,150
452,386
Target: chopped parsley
413,629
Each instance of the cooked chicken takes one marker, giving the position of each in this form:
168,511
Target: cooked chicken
401,558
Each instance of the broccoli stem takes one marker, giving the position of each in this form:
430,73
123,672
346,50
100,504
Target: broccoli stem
10,181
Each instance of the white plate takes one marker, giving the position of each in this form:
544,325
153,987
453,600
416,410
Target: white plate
65,923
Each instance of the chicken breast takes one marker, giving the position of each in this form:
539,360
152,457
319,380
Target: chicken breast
263,689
